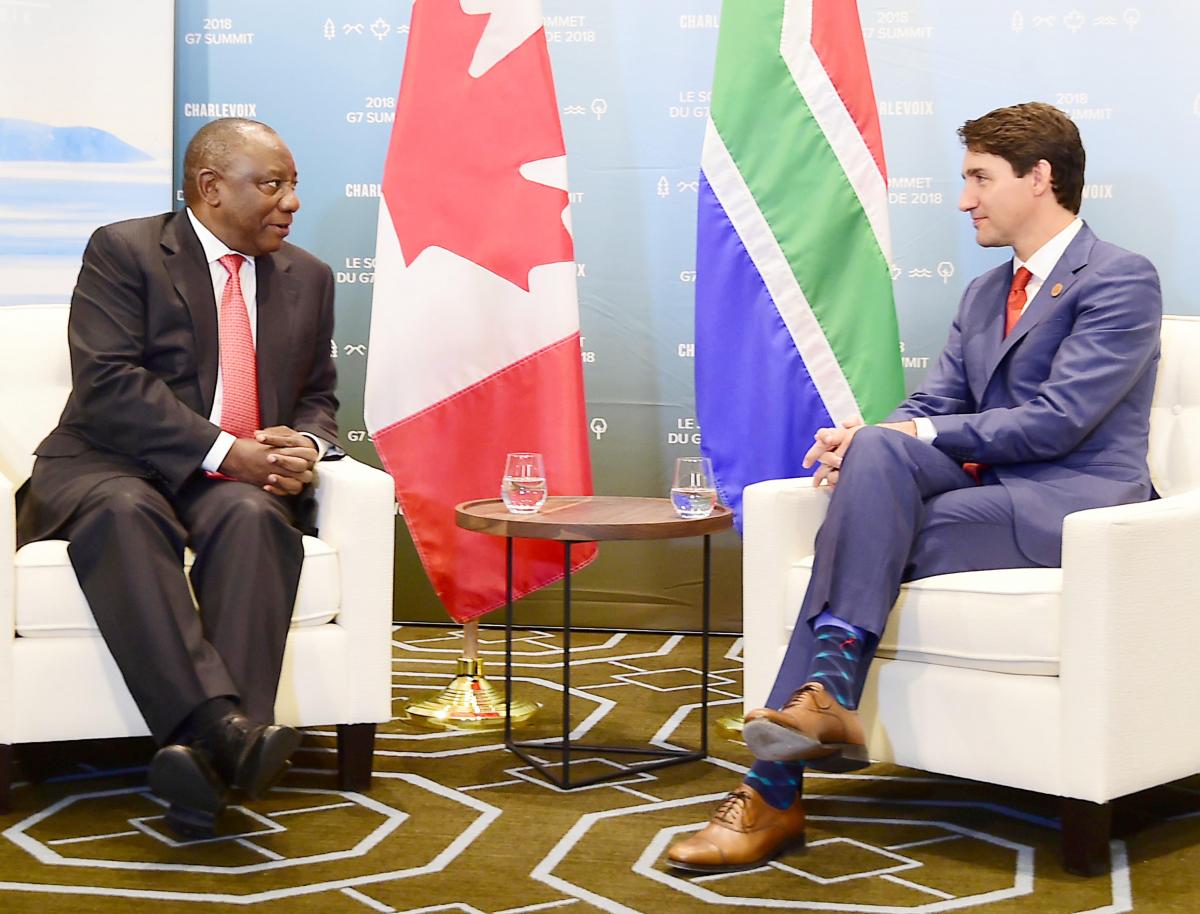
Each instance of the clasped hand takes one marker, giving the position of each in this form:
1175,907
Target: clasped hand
279,459
829,449
831,444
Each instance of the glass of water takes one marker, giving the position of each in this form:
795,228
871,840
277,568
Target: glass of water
694,493
523,488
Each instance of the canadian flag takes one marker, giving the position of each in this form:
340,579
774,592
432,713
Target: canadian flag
474,347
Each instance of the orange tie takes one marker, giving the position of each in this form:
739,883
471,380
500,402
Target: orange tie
1016,299
239,369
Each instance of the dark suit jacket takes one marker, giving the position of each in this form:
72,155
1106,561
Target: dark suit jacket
1060,408
144,357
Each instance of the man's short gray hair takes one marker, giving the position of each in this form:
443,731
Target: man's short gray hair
212,147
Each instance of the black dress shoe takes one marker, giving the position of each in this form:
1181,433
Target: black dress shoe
249,755
185,779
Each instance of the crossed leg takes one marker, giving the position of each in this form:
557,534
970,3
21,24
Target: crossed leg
902,510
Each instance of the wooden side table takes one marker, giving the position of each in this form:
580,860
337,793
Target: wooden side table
587,519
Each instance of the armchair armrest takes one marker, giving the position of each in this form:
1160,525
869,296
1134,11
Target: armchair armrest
8,602
356,515
350,494
1129,632
780,522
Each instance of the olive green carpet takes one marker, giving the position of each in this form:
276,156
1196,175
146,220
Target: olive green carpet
456,823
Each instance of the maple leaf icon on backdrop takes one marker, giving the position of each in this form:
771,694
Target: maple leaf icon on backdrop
461,187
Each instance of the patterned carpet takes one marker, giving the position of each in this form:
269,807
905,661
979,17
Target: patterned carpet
455,823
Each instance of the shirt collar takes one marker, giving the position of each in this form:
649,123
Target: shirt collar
214,247
1047,256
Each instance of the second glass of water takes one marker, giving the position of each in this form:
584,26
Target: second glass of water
523,488
694,493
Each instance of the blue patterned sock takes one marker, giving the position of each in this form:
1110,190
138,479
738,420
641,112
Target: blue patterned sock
836,660
777,782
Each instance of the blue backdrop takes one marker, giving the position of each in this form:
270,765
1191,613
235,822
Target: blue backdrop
633,80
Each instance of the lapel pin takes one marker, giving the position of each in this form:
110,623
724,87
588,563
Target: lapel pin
1054,293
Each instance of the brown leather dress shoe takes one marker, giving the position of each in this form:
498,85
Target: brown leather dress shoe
811,727
743,833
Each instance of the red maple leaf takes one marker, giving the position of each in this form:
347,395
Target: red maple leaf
451,177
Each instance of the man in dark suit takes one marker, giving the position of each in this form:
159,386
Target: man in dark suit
1042,396
202,398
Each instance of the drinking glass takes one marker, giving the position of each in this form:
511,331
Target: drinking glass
694,492
523,488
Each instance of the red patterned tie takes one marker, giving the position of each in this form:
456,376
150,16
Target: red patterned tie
1016,299
239,370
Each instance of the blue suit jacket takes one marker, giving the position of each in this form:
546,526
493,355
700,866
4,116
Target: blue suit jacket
1060,409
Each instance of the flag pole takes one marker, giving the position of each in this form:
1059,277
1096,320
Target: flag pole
470,702
471,640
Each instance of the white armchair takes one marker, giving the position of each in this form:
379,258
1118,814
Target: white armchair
1076,682
58,680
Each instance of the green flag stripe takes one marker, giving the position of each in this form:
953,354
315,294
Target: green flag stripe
806,198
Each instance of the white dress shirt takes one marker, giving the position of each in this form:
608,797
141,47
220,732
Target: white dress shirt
1045,259
1041,263
214,250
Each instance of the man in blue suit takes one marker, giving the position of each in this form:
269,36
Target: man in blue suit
1038,406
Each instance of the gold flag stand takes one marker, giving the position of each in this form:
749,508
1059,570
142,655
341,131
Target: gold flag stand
731,728
470,702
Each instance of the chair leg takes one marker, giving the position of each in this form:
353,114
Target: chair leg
6,768
355,753
1086,831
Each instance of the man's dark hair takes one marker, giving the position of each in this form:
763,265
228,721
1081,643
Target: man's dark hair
212,147
1023,134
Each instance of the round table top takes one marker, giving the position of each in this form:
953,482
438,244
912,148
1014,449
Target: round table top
589,518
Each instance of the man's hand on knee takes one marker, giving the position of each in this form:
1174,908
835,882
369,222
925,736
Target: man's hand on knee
829,449
831,444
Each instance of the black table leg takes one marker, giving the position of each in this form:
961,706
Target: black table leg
566,695
704,633
508,630
660,758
